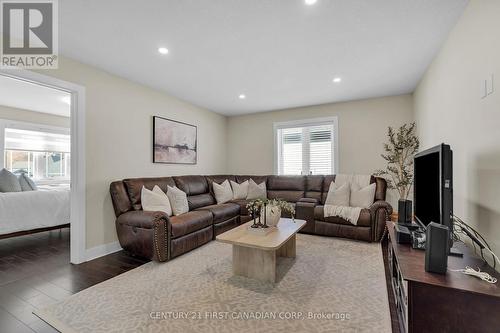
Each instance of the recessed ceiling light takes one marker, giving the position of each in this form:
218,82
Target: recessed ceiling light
337,80
163,50
66,99
242,96
310,2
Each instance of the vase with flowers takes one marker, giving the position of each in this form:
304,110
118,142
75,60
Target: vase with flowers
269,210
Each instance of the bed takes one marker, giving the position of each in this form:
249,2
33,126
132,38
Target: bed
34,211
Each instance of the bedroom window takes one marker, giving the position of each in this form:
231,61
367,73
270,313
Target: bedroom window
306,147
44,156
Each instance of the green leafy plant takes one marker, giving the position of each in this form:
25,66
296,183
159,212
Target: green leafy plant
254,206
399,150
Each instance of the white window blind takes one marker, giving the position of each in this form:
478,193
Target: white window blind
42,155
305,149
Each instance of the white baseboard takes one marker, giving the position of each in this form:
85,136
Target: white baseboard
102,250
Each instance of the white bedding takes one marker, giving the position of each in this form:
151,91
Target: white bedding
21,211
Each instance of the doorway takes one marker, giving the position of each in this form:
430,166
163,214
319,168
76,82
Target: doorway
76,163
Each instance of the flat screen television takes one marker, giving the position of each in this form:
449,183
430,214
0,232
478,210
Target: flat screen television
433,186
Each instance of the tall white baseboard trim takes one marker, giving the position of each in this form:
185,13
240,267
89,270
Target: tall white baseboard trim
102,250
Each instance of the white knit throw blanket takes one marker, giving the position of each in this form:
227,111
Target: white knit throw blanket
350,214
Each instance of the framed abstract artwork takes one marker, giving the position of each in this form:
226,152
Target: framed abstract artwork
174,142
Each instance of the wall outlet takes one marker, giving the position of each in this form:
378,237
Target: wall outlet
488,86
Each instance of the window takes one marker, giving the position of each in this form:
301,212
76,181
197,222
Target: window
306,147
44,156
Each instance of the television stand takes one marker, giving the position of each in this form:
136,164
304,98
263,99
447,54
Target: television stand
456,252
451,302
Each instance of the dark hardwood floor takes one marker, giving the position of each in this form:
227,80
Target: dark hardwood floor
35,272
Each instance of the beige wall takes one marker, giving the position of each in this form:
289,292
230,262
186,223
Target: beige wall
449,108
362,131
119,138
33,117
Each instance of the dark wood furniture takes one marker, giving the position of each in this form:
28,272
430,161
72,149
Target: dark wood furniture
454,302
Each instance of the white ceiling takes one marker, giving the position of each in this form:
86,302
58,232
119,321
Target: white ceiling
24,95
279,53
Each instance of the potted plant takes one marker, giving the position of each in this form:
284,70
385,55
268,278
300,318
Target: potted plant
403,144
273,208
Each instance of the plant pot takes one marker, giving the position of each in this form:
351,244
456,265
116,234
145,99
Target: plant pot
273,215
405,211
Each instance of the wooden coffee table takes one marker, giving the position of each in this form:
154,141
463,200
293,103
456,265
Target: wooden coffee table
254,255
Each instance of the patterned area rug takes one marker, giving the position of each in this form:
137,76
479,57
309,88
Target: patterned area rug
332,285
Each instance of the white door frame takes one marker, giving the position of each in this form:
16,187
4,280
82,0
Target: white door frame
78,200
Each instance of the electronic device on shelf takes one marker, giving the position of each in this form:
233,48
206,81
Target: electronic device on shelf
403,235
433,189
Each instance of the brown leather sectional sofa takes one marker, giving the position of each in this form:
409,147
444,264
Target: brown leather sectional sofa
156,236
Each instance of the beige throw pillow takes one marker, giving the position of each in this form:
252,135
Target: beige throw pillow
223,192
240,191
362,197
338,196
178,200
256,191
155,200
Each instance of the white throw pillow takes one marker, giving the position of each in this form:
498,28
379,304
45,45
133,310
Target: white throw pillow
223,192
338,196
362,197
240,191
178,200
256,191
155,200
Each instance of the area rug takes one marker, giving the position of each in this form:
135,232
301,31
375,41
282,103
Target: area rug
332,285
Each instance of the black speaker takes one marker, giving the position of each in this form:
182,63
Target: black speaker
405,211
436,248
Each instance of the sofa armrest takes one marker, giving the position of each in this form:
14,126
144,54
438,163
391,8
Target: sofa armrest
304,210
141,219
309,200
146,234
380,212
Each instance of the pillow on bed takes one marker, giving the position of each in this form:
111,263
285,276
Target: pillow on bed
27,183
9,182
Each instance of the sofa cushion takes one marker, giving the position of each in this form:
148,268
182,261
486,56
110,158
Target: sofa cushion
257,179
218,179
256,191
243,206
134,187
190,222
223,192
286,183
222,212
155,200
381,188
363,221
314,187
240,191
192,185
338,195
362,197
178,200
200,200
288,188
326,186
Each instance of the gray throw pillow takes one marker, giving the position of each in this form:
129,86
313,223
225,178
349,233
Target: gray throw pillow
27,183
9,182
